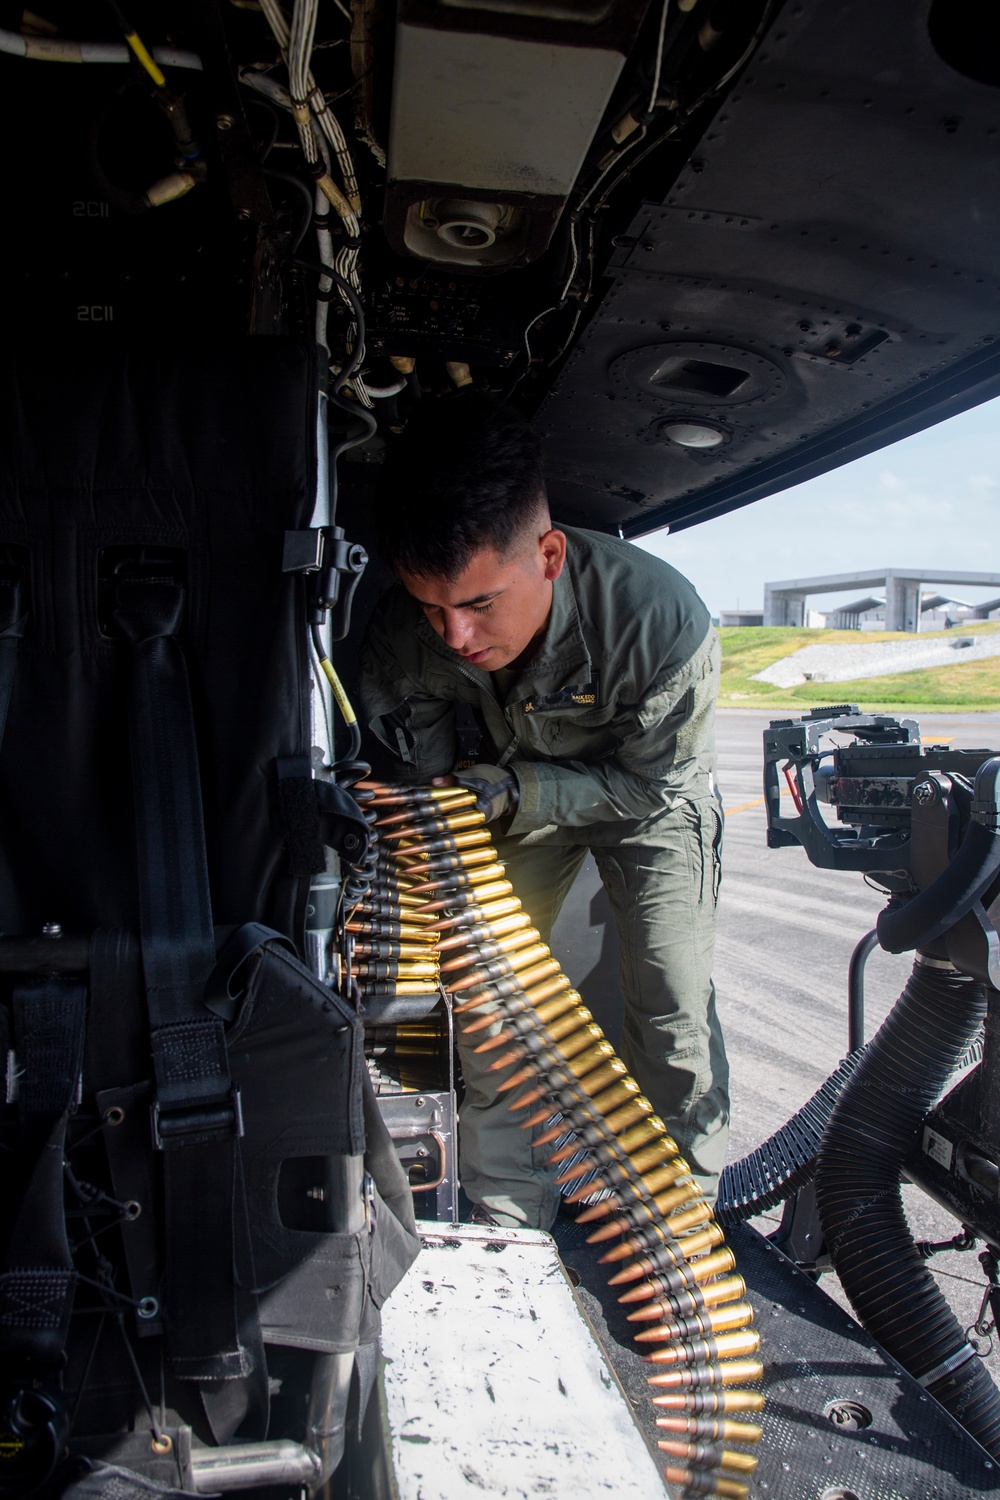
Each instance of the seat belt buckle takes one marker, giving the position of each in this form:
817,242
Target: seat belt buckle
202,1124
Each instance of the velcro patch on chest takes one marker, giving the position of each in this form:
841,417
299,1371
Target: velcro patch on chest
576,695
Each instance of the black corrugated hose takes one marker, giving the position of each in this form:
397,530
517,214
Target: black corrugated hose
901,1074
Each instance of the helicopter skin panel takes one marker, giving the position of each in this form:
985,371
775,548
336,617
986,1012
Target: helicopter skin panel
821,277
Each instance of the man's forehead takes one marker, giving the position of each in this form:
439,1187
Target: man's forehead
485,575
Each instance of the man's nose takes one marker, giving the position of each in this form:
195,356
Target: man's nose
455,628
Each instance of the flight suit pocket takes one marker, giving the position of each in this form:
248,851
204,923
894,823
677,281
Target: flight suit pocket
708,819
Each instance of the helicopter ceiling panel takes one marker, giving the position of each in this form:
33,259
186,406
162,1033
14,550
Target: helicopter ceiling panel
821,277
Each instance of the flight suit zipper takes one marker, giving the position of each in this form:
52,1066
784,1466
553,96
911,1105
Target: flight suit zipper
490,696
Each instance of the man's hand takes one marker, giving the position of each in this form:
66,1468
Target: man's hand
494,789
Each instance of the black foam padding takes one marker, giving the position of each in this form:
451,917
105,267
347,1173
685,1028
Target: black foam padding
205,452
814,1354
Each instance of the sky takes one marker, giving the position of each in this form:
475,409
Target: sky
932,500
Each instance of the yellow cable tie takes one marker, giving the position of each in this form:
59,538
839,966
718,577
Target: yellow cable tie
138,47
343,702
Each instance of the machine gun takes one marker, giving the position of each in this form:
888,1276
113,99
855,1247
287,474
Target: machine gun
923,824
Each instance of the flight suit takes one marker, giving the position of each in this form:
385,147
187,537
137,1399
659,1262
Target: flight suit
609,733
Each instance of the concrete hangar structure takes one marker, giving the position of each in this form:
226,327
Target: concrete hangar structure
785,602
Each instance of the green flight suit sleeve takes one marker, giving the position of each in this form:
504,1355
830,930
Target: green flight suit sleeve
416,728
665,747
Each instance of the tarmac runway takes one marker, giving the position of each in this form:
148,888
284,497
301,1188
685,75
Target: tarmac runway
786,932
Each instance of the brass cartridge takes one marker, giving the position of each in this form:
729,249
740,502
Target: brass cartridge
671,1199
401,969
442,881
393,909
481,952
608,1149
486,931
475,894
459,822
365,949
453,881
711,1429
582,1038
408,931
697,1402
566,1014
389,791
647,1130
494,994
577,1066
446,845
500,968
708,1456
525,979
629,1114
400,987
671,1268
691,1299
696,1377
694,1483
624,1090
496,1016
579,1015
697,1325
567,1099
457,864
664,1176
617,1171
506,997
674,1224
475,914
697,1351
435,807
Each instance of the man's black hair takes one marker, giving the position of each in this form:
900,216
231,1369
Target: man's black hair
465,475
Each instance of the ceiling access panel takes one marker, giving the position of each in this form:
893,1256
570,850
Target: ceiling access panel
823,277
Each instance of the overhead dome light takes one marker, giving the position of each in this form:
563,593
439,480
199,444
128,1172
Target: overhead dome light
692,435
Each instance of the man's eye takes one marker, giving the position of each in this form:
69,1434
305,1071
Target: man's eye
481,609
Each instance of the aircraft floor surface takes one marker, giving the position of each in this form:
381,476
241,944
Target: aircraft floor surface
817,1360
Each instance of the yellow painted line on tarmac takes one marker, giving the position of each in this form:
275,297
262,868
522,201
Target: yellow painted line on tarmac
757,802
744,805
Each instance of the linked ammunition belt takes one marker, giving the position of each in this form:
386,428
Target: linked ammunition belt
443,915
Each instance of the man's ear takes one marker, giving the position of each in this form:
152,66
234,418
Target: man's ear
552,546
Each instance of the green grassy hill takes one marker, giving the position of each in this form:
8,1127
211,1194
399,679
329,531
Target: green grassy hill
974,685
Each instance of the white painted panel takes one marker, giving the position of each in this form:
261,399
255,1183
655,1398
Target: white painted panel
488,112
494,1383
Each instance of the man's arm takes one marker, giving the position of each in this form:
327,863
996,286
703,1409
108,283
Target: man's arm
660,747
417,730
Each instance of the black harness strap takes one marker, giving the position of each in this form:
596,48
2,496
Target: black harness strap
196,1114
12,623
38,1281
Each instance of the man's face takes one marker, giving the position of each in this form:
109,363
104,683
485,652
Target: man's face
496,610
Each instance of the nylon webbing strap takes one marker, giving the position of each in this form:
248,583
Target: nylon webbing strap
37,1281
196,1114
12,623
